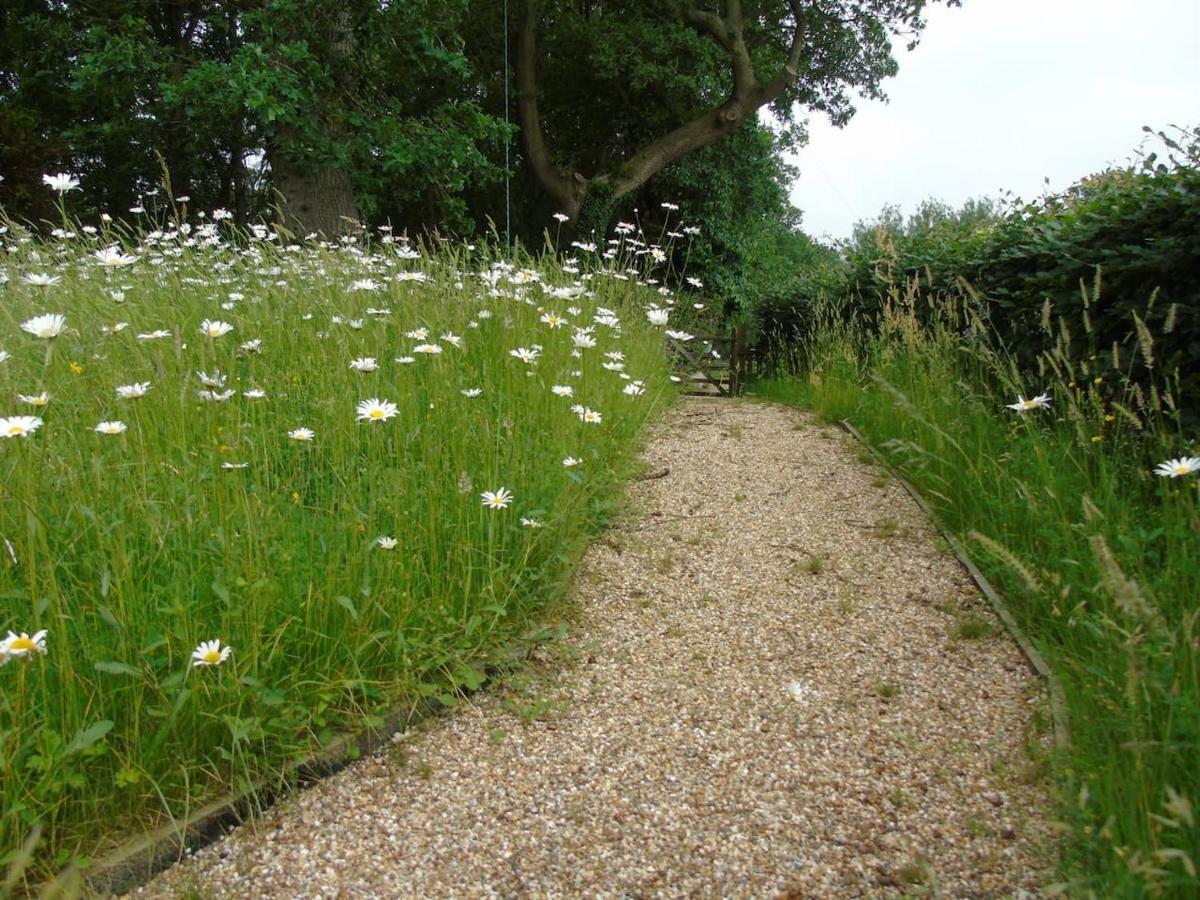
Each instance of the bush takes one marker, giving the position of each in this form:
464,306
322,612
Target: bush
1133,227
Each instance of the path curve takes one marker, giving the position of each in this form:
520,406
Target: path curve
774,687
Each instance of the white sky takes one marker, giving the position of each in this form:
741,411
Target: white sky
1001,94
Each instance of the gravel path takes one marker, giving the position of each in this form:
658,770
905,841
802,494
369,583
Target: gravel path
777,685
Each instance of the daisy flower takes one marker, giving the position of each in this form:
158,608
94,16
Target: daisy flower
588,415
110,428
216,396
215,328
681,336
635,388
376,410
39,399
37,279
498,499
657,316
62,182
405,360
1177,468
530,523
133,391
215,380
418,334
23,644
471,392
210,653
386,542
50,325
427,348
19,426
554,320
563,390
301,434
154,335
113,258
583,341
571,462
253,346
524,354
254,394
1041,401
5,356
364,364
233,465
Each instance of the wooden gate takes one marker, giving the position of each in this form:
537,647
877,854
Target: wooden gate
711,364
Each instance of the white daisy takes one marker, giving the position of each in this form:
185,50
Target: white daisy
19,426
215,328
210,653
50,325
132,391
498,499
110,428
376,410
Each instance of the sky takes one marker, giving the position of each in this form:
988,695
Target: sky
1001,95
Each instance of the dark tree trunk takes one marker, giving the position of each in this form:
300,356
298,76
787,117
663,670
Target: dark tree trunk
595,211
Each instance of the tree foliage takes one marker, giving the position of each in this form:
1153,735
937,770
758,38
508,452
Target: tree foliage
380,92
681,75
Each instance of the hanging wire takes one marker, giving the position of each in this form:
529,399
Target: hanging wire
507,166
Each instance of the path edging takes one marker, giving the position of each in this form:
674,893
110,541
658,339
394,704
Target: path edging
1037,662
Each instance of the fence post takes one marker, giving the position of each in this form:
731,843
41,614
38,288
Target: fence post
738,363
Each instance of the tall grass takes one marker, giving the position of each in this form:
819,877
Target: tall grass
1098,555
204,520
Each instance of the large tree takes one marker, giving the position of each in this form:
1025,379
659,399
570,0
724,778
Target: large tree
736,57
327,110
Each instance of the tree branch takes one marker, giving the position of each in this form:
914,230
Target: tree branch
706,23
746,96
786,76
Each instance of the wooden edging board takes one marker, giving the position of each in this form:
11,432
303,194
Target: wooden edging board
1037,662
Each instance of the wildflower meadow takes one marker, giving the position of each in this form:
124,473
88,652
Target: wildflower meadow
256,491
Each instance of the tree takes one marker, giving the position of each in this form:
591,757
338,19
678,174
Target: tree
741,56
327,110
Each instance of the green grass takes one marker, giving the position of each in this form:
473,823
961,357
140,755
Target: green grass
205,521
1098,556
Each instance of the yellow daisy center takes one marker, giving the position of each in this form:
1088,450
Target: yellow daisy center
1181,470
22,643
377,414
212,656
16,429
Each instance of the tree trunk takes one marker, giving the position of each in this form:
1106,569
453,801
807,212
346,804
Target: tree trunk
313,193
597,202
310,197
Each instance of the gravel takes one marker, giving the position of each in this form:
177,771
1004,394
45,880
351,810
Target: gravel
764,692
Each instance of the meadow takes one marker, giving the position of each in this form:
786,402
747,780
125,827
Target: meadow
1076,487
255,492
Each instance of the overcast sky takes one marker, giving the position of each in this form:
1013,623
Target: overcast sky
1001,94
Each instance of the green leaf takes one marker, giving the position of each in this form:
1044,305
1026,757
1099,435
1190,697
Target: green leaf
116,668
89,736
